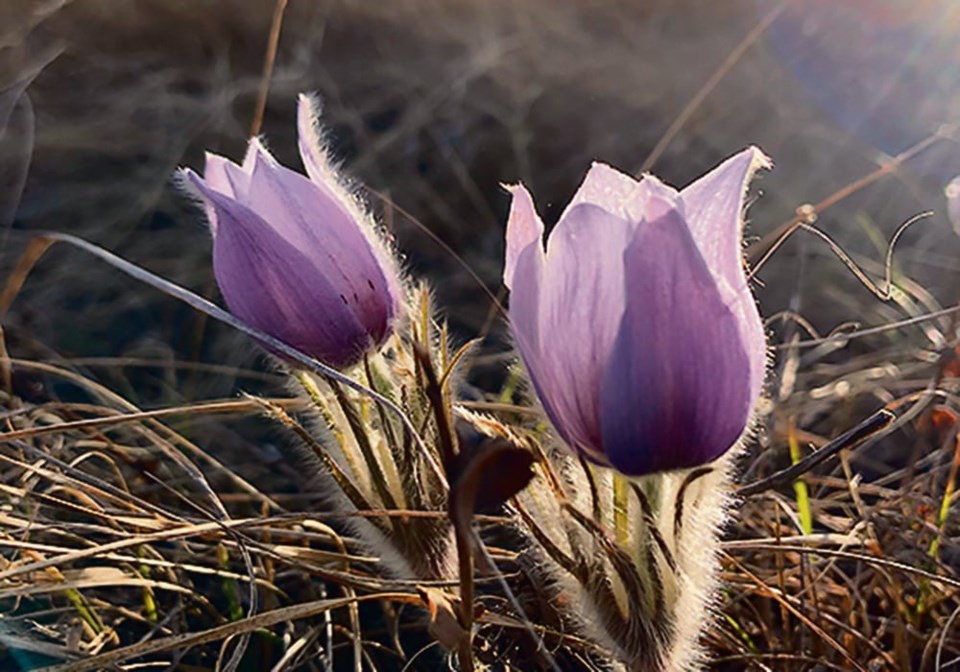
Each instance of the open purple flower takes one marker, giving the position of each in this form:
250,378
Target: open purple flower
295,256
636,324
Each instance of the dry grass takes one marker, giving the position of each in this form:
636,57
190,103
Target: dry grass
128,540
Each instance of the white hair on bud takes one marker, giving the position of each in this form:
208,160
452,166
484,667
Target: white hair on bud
320,167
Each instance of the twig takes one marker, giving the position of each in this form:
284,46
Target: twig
268,62
808,213
705,90
867,429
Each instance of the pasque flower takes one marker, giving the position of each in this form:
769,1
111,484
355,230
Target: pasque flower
636,323
295,256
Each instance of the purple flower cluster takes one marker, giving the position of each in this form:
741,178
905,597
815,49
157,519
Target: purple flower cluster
635,321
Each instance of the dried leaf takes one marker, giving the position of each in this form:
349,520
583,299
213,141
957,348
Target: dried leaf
444,623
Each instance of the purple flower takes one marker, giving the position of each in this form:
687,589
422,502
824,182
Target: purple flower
636,324
297,257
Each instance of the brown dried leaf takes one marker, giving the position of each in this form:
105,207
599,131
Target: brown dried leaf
444,623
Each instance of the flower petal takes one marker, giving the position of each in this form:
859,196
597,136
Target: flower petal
525,324
324,175
714,207
676,389
274,286
330,237
610,189
231,179
319,168
215,174
580,309
309,143
620,194
524,228
223,175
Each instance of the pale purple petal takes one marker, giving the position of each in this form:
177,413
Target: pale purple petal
309,143
215,174
301,213
323,174
525,326
524,228
525,303
658,199
674,392
714,210
714,207
256,151
525,260
620,194
221,174
610,189
231,179
581,304
317,164
273,285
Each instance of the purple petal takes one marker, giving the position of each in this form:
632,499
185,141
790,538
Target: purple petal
621,195
659,199
329,236
256,150
524,320
308,141
272,284
324,176
580,309
714,207
524,228
217,176
676,391
225,176
216,173
610,189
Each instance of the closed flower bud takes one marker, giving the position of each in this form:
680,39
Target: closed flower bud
296,256
636,323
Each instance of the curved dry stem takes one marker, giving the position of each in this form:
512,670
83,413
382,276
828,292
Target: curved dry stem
807,214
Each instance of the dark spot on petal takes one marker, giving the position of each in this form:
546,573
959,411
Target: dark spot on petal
370,284
356,298
344,299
